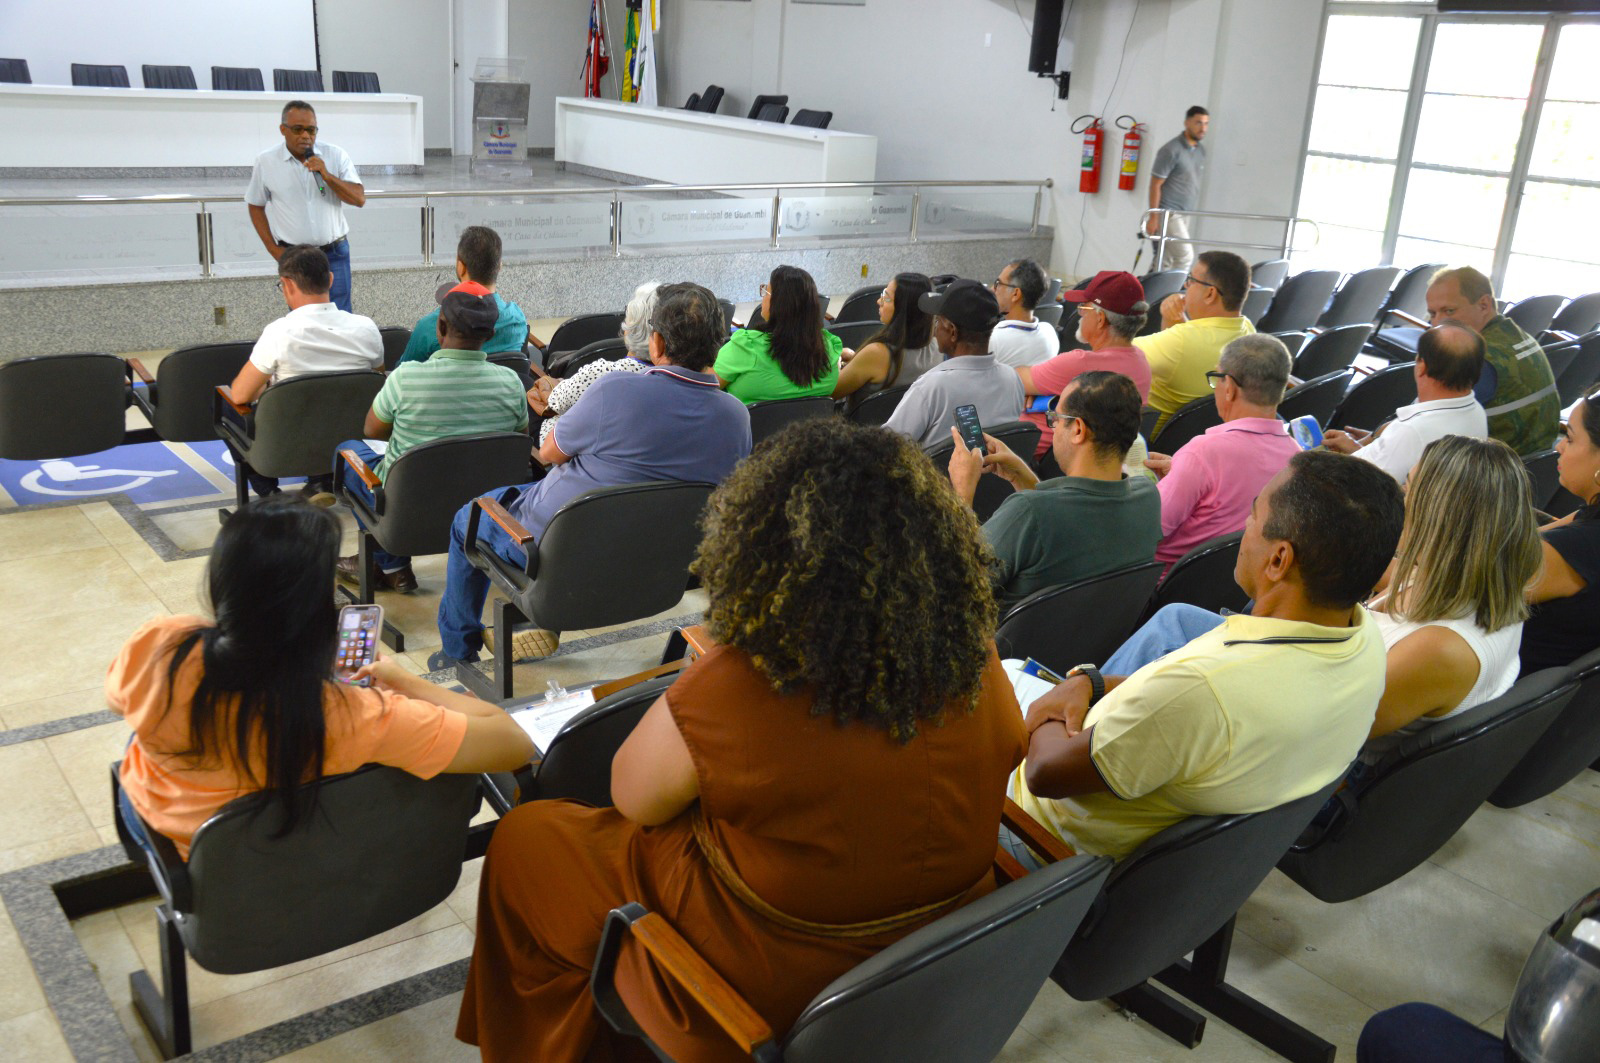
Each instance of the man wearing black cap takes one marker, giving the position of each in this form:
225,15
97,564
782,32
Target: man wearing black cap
964,316
456,392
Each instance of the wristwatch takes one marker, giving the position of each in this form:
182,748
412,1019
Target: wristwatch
1097,682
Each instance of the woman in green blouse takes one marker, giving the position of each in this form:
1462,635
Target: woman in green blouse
789,355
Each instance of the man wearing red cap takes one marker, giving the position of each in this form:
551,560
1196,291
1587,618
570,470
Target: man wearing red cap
1111,311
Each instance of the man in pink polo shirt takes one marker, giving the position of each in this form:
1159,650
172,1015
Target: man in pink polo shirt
1111,311
1208,485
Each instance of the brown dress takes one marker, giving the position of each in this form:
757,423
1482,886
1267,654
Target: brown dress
827,823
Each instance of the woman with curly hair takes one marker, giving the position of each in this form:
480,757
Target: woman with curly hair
825,780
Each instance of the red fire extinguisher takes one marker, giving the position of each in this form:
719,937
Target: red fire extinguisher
1094,135
1130,151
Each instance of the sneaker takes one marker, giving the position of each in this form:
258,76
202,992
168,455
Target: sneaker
528,644
440,661
323,500
403,580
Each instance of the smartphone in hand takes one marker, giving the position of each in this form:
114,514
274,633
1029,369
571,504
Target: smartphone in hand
967,424
359,627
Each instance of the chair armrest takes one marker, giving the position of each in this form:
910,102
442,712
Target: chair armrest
1007,868
677,960
359,467
605,690
1410,319
136,368
1034,835
225,393
508,524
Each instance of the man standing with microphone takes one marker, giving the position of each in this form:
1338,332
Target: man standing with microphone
297,195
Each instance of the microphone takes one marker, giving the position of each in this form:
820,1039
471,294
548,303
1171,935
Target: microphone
322,188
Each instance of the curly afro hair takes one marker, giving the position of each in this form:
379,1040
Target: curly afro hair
839,559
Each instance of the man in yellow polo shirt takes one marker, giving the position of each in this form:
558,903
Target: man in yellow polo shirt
1196,324
1265,709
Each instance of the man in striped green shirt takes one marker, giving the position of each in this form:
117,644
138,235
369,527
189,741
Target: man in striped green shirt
456,392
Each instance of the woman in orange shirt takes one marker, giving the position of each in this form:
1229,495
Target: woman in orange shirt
249,703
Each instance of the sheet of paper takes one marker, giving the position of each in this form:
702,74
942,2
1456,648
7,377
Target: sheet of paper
1027,687
545,717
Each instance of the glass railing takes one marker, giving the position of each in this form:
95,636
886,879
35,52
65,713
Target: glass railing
181,236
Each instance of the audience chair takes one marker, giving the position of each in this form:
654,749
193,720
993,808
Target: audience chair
395,340
587,571
1408,297
878,407
416,501
569,362
763,101
769,418
1157,286
1579,316
1179,893
1299,302
1023,439
1085,621
516,361
382,847
1256,301
237,79
355,81
577,766
1203,577
1543,476
1535,313
727,313
295,426
1571,744
1049,313
692,103
861,304
941,281
1052,292
178,400
710,99
1331,350
580,331
993,954
1421,793
62,405
110,76
1191,419
1374,399
296,80
1148,416
1359,298
1270,274
853,334
1320,397
168,77
773,112
813,119
1581,370
15,72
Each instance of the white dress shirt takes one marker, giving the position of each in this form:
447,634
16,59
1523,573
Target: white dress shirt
302,208
1414,427
317,338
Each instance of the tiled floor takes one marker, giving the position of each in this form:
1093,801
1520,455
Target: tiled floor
75,581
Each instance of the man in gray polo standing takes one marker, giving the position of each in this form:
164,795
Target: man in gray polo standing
1175,186
297,194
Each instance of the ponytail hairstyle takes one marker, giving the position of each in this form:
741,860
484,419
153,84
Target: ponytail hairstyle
910,328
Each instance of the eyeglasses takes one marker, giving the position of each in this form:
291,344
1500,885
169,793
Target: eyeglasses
1214,375
278,284
998,283
1059,420
1190,278
301,130
764,291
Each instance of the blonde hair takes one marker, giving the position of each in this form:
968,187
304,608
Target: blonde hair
1473,284
1470,544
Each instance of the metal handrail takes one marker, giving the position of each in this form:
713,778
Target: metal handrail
1285,248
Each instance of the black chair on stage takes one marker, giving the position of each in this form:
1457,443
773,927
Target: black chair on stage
773,112
179,400
1191,419
1270,274
878,407
109,76
1298,304
1023,439
812,119
395,340
1423,790
1570,745
580,331
294,427
355,81
15,72
855,333
296,80
586,570
382,847
1374,399
860,305
764,101
1330,350
709,100
62,405
1319,397
1085,621
168,77
1359,298
769,418
993,954
237,79
1203,577
413,505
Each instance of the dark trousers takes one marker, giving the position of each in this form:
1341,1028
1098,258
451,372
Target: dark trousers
1422,1033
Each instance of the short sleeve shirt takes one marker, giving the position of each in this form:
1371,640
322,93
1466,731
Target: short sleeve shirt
1181,356
1023,343
301,207
317,338
1214,479
667,423
1561,630
1181,165
927,410
1054,374
1414,427
454,393
510,332
745,363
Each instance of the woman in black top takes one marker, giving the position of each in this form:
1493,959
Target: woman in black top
1565,623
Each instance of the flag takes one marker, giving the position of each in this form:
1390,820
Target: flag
643,72
597,58
630,44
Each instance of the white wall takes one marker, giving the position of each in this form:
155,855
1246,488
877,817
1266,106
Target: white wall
550,35
200,34
407,42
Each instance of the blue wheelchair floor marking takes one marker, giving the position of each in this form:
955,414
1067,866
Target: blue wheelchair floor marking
215,453
145,472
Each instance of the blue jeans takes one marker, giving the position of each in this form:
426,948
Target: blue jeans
386,561
466,588
1422,1033
339,259
1173,626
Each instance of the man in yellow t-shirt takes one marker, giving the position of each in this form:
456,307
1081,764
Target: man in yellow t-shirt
1263,710
1196,324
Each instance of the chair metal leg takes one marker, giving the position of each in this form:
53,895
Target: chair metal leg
241,484
165,1011
1179,1022
506,618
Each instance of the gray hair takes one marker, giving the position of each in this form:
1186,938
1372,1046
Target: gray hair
636,319
1259,364
1127,326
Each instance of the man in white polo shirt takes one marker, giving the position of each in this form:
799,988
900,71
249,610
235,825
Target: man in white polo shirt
1021,340
313,337
297,194
1449,361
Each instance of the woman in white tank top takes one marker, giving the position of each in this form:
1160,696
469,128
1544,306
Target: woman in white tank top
1452,618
